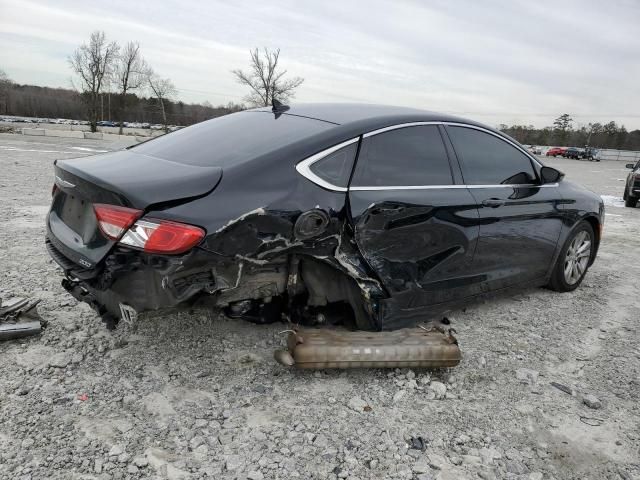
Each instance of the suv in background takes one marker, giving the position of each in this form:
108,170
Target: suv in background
591,154
572,152
632,186
555,151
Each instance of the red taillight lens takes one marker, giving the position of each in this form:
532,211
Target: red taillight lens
54,189
162,236
114,220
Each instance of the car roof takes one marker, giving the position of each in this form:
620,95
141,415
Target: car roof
346,113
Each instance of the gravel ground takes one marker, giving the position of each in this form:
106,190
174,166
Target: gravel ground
198,396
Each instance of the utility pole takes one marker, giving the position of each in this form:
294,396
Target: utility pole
109,97
102,106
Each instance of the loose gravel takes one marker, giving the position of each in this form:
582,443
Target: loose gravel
196,395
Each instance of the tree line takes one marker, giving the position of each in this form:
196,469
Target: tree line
563,134
45,102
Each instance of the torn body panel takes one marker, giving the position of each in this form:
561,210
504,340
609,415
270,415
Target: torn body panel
421,244
249,259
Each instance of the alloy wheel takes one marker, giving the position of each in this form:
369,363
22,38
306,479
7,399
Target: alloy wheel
577,258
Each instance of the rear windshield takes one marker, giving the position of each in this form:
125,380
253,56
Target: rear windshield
231,139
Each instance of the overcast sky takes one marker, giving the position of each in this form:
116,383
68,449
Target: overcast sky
493,61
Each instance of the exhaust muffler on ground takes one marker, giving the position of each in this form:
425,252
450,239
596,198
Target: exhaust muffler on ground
409,347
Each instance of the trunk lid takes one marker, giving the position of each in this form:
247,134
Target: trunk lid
120,178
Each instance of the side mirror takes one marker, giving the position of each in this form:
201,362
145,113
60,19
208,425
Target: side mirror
550,175
630,165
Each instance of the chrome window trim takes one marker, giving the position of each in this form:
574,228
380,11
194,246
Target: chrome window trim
444,187
304,167
400,125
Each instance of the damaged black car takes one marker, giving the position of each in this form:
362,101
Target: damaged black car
374,217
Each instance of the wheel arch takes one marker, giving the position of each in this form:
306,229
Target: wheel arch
595,223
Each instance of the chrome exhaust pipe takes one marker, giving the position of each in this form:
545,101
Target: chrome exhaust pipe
410,347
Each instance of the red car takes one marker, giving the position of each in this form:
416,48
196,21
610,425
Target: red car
555,151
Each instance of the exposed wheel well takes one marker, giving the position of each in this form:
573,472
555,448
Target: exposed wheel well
308,287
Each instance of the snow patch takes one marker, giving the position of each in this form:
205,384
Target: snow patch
612,200
87,149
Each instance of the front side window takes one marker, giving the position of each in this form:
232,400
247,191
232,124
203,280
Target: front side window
408,156
488,160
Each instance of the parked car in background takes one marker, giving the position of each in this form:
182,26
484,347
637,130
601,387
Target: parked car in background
591,154
572,152
535,150
385,214
555,151
632,186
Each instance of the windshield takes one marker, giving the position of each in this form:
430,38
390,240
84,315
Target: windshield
231,139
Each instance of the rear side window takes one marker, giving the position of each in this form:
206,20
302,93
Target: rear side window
489,160
336,167
409,156
231,139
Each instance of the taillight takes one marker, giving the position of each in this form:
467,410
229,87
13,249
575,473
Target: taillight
162,236
54,189
114,220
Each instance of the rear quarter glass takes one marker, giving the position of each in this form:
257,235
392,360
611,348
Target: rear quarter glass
231,139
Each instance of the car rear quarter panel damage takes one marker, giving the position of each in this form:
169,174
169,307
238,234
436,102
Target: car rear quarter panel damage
265,232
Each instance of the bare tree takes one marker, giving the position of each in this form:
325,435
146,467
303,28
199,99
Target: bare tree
5,87
163,89
131,72
265,79
93,63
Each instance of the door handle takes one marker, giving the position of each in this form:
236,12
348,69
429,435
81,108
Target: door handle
493,202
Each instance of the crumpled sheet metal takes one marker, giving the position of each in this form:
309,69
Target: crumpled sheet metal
19,319
408,347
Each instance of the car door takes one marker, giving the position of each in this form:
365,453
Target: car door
520,219
414,224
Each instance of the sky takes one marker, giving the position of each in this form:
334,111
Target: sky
513,62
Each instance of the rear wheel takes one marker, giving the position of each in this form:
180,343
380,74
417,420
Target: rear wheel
574,259
630,201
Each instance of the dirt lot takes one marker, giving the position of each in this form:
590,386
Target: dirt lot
198,396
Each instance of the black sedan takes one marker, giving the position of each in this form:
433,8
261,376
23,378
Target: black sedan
375,217
632,185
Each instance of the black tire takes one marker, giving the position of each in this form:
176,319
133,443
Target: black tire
630,201
560,281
